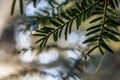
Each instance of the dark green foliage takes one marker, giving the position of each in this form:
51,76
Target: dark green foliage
70,27
94,27
101,50
92,49
96,19
93,38
34,1
60,20
78,21
55,23
106,29
93,31
13,6
112,31
65,16
111,12
104,45
111,36
20,4
55,36
65,20
66,31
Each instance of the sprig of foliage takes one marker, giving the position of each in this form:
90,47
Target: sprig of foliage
65,21
105,30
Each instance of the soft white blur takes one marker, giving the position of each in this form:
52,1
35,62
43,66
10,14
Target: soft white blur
27,57
73,38
74,54
52,55
77,38
22,38
48,57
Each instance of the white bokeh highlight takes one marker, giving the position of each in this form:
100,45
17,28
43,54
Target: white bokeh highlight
48,57
77,38
72,38
27,57
22,38
74,54
30,10
52,71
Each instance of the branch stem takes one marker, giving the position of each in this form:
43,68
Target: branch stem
103,24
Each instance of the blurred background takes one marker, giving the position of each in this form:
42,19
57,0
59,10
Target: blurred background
109,68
